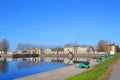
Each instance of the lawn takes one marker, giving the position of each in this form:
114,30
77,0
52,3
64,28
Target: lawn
97,71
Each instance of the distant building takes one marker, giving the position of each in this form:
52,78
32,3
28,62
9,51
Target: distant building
1,52
109,48
18,52
48,51
38,51
10,52
78,50
84,50
30,51
68,50
53,51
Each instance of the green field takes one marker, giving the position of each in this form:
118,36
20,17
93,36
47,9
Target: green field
97,71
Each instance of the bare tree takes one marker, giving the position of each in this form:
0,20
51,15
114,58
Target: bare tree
101,45
5,46
71,44
59,49
27,46
1,47
20,46
117,48
68,45
88,49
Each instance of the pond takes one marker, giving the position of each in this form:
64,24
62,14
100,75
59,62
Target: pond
15,68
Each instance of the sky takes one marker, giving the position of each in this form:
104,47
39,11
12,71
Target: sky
57,22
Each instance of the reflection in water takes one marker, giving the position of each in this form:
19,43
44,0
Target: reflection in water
39,62
19,67
29,63
3,65
27,66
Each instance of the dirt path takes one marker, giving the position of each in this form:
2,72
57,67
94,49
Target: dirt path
116,73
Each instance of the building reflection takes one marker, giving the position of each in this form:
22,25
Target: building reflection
34,63
29,62
23,63
40,62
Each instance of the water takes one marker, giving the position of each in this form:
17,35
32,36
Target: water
12,69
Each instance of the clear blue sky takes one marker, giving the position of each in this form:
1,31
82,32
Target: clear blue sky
57,22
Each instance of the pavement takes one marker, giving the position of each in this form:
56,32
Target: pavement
58,74
116,73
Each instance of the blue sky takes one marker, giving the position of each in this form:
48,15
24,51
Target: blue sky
57,22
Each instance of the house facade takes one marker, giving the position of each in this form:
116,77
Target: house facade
110,48
30,51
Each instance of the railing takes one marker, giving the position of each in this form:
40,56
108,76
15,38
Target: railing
74,55
54,55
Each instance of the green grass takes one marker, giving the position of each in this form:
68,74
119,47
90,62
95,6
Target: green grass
97,71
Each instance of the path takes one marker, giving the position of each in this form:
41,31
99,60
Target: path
116,73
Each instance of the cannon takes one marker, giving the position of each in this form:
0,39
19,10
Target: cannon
99,59
84,64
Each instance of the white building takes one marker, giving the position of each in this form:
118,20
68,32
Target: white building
68,50
78,50
48,51
1,52
82,50
9,52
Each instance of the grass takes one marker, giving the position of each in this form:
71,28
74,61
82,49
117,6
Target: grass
97,71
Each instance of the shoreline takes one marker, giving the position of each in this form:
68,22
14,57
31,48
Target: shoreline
58,74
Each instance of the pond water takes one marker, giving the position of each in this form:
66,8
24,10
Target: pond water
15,68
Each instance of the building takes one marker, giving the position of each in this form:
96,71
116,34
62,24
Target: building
78,50
1,52
67,50
30,51
10,52
110,48
38,51
48,51
84,50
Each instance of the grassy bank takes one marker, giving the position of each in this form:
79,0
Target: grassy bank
97,71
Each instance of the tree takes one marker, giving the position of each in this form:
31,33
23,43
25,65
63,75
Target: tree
20,46
71,44
88,49
68,45
4,46
101,45
59,49
27,46
117,48
0,46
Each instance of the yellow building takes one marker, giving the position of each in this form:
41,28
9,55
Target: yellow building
38,51
109,48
